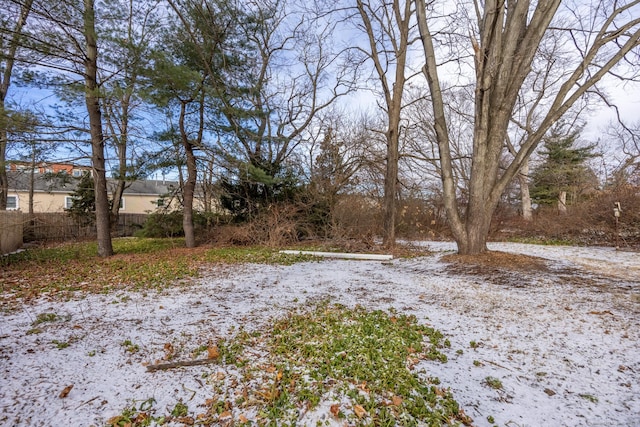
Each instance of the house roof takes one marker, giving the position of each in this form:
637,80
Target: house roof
19,181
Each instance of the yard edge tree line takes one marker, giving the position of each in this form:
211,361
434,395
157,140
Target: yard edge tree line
525,66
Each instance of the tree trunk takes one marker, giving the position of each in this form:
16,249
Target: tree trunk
4,181
525,196
190,183
121,184
103,222
477,224
32,180
390,190
562,203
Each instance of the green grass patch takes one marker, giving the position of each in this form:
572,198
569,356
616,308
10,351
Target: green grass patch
365,358
84,251
591,398
493,382
254,254
45,318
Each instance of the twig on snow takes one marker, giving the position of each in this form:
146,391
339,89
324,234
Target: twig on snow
499,366
171,365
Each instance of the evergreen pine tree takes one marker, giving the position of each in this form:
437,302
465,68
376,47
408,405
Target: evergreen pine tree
564,171
83,206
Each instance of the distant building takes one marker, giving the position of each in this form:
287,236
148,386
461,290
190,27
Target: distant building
50,168
53,190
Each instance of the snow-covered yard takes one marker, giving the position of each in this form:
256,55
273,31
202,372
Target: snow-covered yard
564,342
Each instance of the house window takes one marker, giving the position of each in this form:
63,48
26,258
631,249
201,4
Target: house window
77,173
160,203
68,202
12,202
122,203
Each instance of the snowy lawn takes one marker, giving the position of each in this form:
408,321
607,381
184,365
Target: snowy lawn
558,346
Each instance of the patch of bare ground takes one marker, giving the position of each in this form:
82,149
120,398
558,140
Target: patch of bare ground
500,268
521,271
499,260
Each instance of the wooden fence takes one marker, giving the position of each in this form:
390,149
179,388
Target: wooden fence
61,227
11,228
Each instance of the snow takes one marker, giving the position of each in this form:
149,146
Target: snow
565,344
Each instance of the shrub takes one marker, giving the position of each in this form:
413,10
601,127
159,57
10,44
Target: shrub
162,224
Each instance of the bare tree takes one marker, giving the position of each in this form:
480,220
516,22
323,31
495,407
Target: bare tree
504,44
293,73
623,153
338,152
389,27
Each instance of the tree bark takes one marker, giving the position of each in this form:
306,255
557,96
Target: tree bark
103,222
121,142
390,189
562,203
190,183
525,196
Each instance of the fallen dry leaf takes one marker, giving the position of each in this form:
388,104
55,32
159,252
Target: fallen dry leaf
225,414
243,419
141,418
466,420
168,348
65,392
114,420
397,400
213,352
360,411
335,409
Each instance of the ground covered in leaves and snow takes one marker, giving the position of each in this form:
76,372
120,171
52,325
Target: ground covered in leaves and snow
550,342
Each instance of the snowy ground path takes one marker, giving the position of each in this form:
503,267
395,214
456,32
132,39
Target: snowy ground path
565,343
